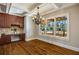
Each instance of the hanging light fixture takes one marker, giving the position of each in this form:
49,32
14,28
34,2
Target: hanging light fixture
36,18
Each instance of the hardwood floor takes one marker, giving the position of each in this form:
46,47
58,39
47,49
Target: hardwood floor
34,47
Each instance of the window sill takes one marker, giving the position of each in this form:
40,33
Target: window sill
53,36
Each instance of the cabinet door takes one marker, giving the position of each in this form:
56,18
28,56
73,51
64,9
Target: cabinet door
1,41
5,39
7,21
2,20
20,21
12,19
22,37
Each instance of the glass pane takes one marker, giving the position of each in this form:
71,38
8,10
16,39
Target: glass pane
42,28
61,26
50,27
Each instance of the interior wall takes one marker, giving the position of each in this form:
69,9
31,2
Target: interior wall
73,27
29,28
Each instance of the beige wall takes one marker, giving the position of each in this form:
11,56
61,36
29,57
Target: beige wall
73,26
29,27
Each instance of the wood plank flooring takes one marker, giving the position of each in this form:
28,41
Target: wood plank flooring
34,47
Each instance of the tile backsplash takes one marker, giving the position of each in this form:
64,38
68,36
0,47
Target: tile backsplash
9,31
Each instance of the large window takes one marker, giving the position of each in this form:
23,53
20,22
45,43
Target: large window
56,26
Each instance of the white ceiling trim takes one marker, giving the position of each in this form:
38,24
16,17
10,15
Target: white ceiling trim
56,7
31,8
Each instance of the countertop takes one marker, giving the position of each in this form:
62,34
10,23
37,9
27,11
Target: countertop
14,34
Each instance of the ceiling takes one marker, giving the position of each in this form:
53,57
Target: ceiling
22,9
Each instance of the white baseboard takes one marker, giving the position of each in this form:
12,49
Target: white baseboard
57,43
66,46
63,45
29,39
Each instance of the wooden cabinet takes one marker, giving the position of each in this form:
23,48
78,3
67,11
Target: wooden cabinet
5,39
22,37
16,20
6,20
20,21
13,19
10,19
2,20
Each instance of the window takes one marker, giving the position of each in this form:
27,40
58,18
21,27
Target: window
47,27
61,26
56,26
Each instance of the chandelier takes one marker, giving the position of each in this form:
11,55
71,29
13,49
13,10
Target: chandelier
36,18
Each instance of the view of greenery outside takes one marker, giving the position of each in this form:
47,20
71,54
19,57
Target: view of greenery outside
50,27
61,26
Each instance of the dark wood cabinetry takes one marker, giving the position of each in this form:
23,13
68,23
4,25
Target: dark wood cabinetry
20,21
22,37
2,20
6,20
5,39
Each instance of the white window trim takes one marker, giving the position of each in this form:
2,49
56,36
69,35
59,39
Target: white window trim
62,38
